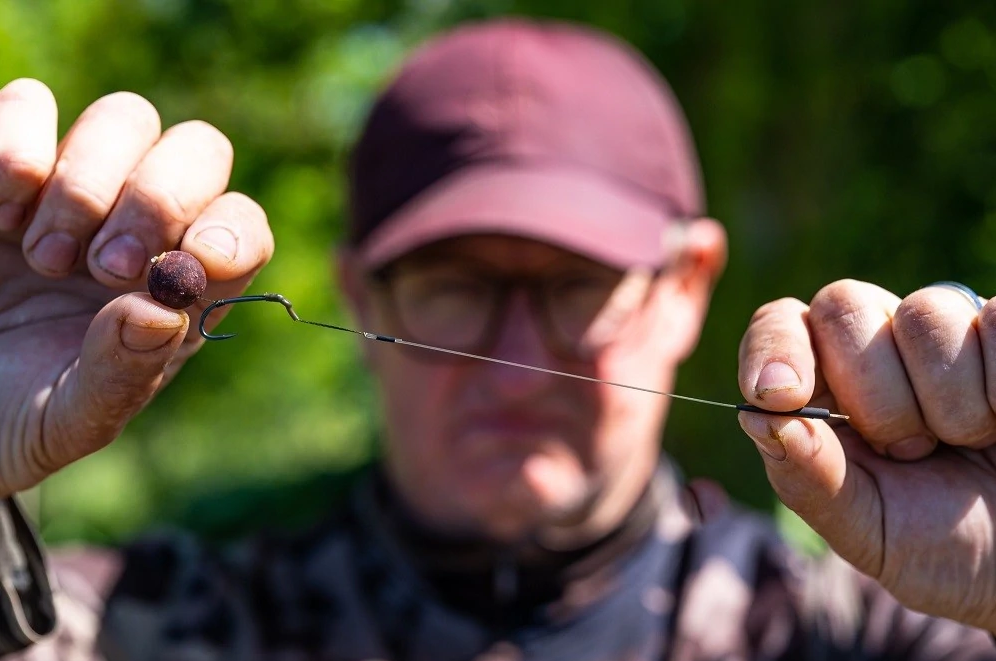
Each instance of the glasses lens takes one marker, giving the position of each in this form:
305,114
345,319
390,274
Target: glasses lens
454,306
444,305
576,304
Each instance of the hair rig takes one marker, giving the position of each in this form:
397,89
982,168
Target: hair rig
177,279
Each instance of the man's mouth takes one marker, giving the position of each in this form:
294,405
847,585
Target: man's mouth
518,429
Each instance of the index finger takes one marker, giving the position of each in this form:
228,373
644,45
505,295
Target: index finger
777,367
28,116
852,328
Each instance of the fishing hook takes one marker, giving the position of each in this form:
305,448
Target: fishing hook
273,298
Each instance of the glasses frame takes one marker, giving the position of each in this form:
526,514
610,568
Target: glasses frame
383,279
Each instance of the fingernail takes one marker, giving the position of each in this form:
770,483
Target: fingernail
909,449
219,239
151,335
774,377
773,445
11,216
123,257
56,252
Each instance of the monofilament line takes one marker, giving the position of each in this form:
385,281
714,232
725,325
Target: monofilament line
804,412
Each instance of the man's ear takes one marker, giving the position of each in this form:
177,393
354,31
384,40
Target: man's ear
701,251
703,254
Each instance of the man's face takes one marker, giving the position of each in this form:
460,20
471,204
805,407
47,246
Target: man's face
489,449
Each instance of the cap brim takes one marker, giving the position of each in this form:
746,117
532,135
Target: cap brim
577,210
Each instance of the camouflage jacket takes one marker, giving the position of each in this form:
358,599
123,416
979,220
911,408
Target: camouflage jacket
370,584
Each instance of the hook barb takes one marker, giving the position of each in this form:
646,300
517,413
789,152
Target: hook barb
272,298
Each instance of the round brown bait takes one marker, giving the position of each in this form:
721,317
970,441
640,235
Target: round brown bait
176,279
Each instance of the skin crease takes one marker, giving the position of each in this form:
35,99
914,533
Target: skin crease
521,452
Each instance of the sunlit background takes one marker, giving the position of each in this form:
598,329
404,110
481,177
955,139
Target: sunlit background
837,139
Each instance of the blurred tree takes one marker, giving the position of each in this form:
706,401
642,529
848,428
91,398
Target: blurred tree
837,140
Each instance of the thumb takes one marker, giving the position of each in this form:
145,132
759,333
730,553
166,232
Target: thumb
122,361
808,468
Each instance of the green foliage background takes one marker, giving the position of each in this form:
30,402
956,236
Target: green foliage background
837,139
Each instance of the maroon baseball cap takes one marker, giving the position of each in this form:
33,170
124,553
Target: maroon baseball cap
543,130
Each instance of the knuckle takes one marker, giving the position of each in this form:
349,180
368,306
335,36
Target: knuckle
969,430
839,304
883,420
837,298
39,458
20,173
919,317
987,318
66,445
84,195
160,202
960,420
923,299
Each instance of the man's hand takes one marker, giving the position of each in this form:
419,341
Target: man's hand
906,491
80,351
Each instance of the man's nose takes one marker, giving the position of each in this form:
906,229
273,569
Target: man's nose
520,340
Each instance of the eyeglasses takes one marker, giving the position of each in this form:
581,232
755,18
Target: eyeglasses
459,305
